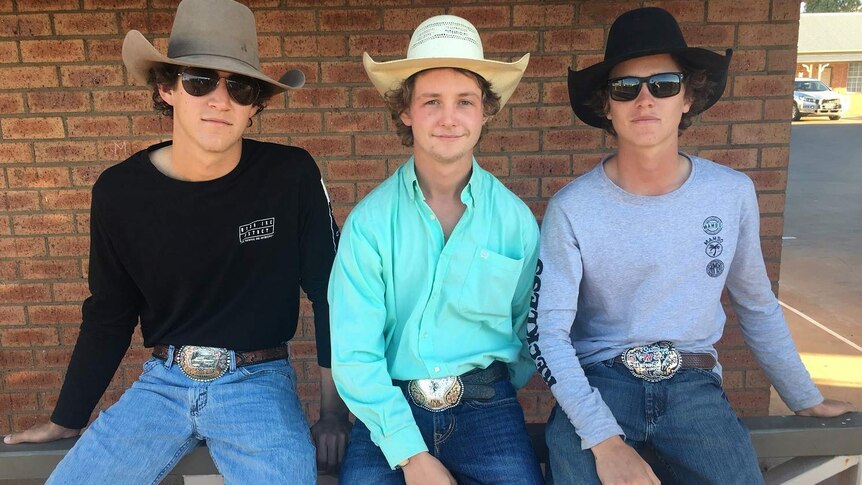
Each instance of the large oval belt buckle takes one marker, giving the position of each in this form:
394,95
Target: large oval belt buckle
436,394
653,362
203,364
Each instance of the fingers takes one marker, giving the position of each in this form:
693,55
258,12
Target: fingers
330,449
320,445
827,409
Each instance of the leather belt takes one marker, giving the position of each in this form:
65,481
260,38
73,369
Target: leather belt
688,361
445,392
206,364
661,360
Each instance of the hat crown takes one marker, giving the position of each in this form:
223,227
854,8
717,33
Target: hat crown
643,31
445,36
639,33
222,28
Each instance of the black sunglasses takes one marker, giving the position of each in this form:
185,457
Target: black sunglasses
662,85
199,81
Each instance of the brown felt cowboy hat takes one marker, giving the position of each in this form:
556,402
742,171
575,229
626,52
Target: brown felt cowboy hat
447,41
638,33
213,34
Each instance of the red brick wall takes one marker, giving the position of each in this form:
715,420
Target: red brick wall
68,109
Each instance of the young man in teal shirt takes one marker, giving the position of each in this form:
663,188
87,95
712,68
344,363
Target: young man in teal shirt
432,282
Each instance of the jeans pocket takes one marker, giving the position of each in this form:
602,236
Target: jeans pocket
600,364
715,378
150,364
505,395
490,403
280,366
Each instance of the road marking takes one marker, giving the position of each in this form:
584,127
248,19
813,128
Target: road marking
788,238
820,325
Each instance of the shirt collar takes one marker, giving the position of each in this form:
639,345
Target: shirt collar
468,196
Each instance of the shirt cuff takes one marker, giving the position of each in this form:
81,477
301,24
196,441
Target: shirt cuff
810,399
600,435
402,445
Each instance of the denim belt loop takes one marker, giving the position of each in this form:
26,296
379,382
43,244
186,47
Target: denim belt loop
169,360
232,360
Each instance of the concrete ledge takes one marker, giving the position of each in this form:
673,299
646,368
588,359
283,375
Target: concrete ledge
798,436
774,437
778,436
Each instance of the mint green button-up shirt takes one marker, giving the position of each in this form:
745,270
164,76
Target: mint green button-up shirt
407,304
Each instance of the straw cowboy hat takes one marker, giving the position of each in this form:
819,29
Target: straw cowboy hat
446,41
213,34
638,33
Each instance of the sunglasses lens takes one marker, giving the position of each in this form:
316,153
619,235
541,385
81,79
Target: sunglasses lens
625,89
664,85
198,82
243,90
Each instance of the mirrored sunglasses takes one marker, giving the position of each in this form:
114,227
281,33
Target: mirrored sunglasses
199,81
662,85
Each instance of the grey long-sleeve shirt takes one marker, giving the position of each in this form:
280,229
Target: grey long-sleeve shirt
618,270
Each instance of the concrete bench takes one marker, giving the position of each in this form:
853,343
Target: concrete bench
791,449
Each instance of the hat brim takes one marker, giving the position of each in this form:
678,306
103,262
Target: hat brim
503,76
583,83
140,56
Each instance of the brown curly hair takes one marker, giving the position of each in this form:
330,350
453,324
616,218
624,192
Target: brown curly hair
698,88
165,75
398,101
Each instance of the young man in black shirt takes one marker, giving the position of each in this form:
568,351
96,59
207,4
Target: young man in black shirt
207,240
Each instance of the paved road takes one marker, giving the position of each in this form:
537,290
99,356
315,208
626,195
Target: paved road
821,266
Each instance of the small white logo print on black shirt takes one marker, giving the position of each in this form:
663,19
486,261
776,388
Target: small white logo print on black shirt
257,230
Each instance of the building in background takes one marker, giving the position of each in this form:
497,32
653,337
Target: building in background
830,49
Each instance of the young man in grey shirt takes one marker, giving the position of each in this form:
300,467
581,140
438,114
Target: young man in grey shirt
634,257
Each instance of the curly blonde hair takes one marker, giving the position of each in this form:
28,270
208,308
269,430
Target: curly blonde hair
398,101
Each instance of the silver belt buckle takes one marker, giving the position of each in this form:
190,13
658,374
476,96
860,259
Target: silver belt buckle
653,362
203,364
436,394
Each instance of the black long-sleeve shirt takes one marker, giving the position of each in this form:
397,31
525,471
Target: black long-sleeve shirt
216,263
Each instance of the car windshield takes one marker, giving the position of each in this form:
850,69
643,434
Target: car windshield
810,86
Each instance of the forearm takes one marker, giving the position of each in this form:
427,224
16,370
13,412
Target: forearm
331,403
94,361
560,368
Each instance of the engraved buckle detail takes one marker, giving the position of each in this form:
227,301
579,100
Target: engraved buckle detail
203,364
653,362
436,394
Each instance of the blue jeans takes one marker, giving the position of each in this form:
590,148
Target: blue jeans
684,426
250,418
477,441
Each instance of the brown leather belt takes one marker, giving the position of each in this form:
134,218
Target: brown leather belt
205,364
687,361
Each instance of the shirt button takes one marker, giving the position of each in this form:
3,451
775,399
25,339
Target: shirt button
436,369
425,335
483,254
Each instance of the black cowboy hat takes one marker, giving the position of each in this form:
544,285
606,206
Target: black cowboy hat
638,33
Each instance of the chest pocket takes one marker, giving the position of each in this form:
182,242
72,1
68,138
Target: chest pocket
490,285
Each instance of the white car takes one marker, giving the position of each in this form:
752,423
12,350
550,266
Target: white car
812,97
